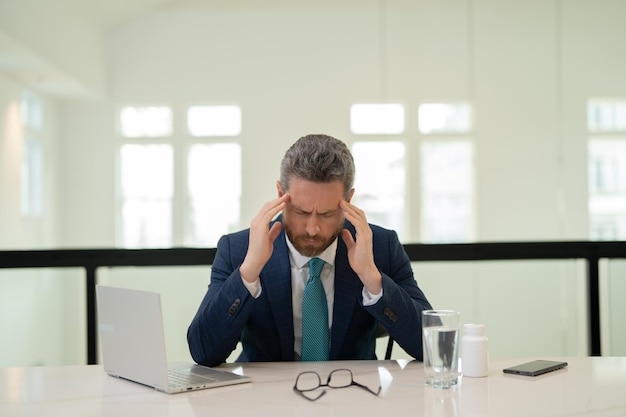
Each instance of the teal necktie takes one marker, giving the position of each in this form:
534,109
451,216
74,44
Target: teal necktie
315,334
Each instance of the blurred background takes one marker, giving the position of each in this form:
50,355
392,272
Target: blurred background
162,123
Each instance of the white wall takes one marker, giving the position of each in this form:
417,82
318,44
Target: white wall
528,67
10,163
525,65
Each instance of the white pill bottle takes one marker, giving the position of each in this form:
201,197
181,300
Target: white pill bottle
474,351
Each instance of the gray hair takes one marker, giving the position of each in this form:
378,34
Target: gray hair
318,158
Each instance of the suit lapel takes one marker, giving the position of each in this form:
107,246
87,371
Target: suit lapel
276,282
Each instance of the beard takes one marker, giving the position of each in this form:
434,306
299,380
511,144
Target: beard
303,244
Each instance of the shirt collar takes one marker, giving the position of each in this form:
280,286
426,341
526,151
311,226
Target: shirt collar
300,260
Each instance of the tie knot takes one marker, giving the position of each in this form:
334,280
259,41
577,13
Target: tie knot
315,267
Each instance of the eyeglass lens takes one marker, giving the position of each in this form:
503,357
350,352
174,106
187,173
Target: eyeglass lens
340,378
308,381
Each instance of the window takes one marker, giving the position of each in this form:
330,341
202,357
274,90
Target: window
31,111
214,182
606,115
380,191
32,177
147,191
150,122
606,120
154,209
444,118
214,120
382,119
443,178
446,174
446,191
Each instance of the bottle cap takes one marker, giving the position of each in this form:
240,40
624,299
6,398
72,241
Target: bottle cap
476,329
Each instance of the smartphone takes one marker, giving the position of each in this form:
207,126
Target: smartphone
535,368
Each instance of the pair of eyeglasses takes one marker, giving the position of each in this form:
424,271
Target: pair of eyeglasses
339,378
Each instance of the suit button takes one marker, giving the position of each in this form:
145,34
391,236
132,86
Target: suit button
390,314
234,307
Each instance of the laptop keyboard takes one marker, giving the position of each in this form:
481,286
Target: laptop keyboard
179,379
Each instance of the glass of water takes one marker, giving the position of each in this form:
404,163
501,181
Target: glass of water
440,338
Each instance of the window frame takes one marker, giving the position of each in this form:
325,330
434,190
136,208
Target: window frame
602,134
181,141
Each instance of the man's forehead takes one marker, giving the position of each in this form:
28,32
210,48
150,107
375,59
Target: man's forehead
310,204
308,195
319,203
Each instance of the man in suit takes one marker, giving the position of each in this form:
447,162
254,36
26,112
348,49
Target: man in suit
259,275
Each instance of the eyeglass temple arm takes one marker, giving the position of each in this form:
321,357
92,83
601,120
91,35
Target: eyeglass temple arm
365,387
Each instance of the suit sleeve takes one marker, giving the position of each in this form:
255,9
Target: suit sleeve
400,308
216,328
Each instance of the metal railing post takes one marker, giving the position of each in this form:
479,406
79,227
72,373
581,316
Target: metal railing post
593,297
92,325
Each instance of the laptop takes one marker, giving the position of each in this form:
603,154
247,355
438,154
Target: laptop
130,323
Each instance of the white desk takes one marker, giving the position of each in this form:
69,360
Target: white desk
589,386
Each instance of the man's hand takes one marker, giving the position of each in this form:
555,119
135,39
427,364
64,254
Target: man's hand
360,251
261,243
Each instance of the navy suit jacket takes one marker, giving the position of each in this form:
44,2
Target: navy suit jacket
229,314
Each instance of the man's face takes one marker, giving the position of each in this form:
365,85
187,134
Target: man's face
312,217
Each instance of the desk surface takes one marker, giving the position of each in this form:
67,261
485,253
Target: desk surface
589,386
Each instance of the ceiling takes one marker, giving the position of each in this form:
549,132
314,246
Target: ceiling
107,14
29,67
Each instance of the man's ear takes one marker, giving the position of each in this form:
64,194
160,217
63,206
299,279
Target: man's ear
350,194
279,188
